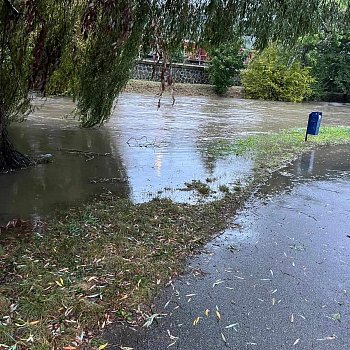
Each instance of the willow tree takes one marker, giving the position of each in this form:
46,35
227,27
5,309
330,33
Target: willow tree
33,35
101,39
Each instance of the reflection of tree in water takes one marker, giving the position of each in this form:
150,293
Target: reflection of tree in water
322,164
208,132
72,177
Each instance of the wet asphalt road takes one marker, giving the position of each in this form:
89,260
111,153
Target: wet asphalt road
279,278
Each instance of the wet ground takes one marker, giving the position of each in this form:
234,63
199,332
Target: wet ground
279,278
141,152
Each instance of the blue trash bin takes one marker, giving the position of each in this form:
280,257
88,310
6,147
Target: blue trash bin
313,124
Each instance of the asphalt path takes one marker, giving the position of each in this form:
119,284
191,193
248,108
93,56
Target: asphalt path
278,278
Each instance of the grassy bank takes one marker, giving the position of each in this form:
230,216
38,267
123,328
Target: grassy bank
270,151
181,89
62,282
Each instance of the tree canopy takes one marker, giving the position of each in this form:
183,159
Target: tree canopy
100,40
329,56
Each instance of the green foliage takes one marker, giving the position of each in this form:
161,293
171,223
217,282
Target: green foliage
226,63
91,45
329,57
178,56
14,67
33,35
271,76
110,47
63,81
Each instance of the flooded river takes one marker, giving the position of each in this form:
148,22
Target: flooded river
141,152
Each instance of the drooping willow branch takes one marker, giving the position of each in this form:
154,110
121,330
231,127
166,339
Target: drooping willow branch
12,8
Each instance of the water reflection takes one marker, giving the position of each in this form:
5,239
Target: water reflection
39,190
322,165
327,163
177,140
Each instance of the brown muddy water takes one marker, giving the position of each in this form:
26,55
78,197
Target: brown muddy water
141,152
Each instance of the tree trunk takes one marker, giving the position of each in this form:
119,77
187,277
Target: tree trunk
10,159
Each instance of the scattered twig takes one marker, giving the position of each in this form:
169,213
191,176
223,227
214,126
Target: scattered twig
143,142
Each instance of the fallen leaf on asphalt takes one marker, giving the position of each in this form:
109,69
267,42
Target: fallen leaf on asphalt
217,282
296,342
151,318
206,312
223,338
233,325
273,301
297,247
333,337
336,317
103,346
196,320
171,344
172,337
126,348
218,316
292,318
240,278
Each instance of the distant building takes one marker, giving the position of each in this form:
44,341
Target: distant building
193,53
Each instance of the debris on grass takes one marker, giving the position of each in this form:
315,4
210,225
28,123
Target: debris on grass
64,279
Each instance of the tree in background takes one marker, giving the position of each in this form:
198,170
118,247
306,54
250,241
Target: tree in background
225,65
276,75
329,57
98,40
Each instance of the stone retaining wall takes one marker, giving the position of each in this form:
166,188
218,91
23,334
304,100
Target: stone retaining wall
182,73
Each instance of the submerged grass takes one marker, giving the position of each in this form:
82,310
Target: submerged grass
272,150
61,284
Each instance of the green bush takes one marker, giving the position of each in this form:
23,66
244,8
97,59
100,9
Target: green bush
270,76
225,65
